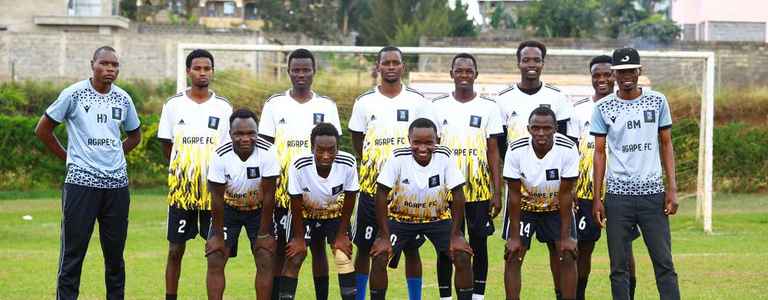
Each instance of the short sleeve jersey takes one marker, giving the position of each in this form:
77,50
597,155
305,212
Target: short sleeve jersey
384,121
516,106
581,125
196,130
631,128
323,198
466,127
290,123
94,122
540,177
420,194
243,178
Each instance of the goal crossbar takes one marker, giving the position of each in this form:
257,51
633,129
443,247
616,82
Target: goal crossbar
704,178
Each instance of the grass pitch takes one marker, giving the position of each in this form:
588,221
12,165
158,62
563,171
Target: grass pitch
732,263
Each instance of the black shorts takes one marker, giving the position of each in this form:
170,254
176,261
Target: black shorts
320,230
365,228
282,221
406,235
545,225
234,221
478,219
185,224
586,227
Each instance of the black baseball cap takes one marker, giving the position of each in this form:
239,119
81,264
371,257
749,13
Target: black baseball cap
626,58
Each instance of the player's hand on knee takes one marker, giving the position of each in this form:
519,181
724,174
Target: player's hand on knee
381,246
266,242
343,243
513,249
567,248
598,212
296,247
459,244
215,243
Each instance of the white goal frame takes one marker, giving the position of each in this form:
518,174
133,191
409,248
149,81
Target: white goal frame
704,177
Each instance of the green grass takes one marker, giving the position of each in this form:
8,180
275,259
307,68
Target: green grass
730,264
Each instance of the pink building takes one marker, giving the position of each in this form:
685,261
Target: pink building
718,20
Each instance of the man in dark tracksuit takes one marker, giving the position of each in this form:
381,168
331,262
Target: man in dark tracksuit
96,185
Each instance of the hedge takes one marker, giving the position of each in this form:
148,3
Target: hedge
740,152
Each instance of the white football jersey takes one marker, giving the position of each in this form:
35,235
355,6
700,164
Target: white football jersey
290,123
465,129
516,107
420,194
541,177
243,178
384,121
196,130
323,198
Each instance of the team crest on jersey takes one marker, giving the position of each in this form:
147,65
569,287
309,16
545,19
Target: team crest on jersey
318,118
650,116
474,121
402,115
545,105
252,172
213,122
117,113
434,181
553,174
336,189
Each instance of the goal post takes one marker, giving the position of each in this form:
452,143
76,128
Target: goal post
704,190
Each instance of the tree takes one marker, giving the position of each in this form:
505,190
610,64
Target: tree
315,18
655,28
562,18
404,22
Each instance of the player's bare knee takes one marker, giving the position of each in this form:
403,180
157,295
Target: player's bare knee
264,260
216,262
379,262
462,261
294,262
176,251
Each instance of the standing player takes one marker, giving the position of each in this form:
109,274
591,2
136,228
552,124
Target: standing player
96,185
518,101
635,123
470,127
422,179
588,230
241,179
192,124
378,125
286,120
540,171
323,186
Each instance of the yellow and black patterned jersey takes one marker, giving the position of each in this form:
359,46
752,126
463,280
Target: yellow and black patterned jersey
583,115
466,127
242,179
540,177
195,129
516,106
323,198
420,194
290,123
384,121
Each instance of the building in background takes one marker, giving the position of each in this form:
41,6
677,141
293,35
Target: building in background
710,20
71,15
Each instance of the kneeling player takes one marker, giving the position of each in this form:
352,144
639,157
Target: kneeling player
540,171
242,179
323,186
422,179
